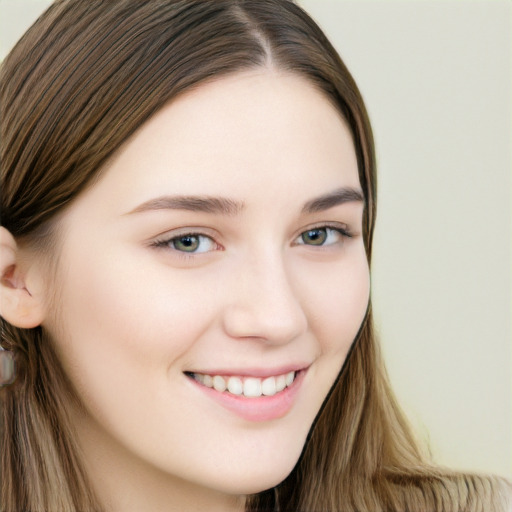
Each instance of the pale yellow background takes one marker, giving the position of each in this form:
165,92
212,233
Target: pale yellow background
437,78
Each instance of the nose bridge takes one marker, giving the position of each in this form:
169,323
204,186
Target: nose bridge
264,303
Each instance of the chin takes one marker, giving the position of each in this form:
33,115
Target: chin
246,482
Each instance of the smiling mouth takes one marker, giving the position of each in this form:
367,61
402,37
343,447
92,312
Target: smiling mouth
250,387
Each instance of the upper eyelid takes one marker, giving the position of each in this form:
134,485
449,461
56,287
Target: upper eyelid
333,224
179,232
342,226
211,232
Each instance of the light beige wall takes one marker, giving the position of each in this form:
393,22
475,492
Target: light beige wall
437,78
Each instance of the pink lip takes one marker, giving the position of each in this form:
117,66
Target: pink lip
264,408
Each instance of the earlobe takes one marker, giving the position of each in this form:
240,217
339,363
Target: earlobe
20,305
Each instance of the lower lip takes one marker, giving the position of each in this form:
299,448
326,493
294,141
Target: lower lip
263,408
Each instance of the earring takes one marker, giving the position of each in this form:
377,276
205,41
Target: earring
7,367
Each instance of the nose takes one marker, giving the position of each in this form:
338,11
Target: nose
263,303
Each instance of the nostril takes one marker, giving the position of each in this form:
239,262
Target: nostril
270,327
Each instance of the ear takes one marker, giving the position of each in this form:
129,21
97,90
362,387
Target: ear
21,300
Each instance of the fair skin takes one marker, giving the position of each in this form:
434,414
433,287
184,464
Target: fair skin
276,284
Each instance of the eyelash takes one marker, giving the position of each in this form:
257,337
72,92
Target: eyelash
343,231
166,243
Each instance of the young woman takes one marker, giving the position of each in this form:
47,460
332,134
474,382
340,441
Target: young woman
188,201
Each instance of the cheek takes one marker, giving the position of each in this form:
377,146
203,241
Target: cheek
114,316
338,302
337,307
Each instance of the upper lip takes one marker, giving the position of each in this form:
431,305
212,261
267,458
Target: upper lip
261,372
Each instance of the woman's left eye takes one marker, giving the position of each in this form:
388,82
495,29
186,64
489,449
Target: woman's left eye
189,243
322,236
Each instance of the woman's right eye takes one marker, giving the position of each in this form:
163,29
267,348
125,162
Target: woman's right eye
190,243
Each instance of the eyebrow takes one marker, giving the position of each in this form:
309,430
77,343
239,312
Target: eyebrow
332,199
204,204
230,207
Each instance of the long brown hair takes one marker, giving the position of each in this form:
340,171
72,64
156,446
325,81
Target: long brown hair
78,84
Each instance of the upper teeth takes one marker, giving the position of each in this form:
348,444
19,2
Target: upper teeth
248,386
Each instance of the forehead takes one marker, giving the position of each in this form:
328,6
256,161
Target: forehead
256,133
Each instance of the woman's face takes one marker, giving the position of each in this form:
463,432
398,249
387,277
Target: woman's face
222,246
